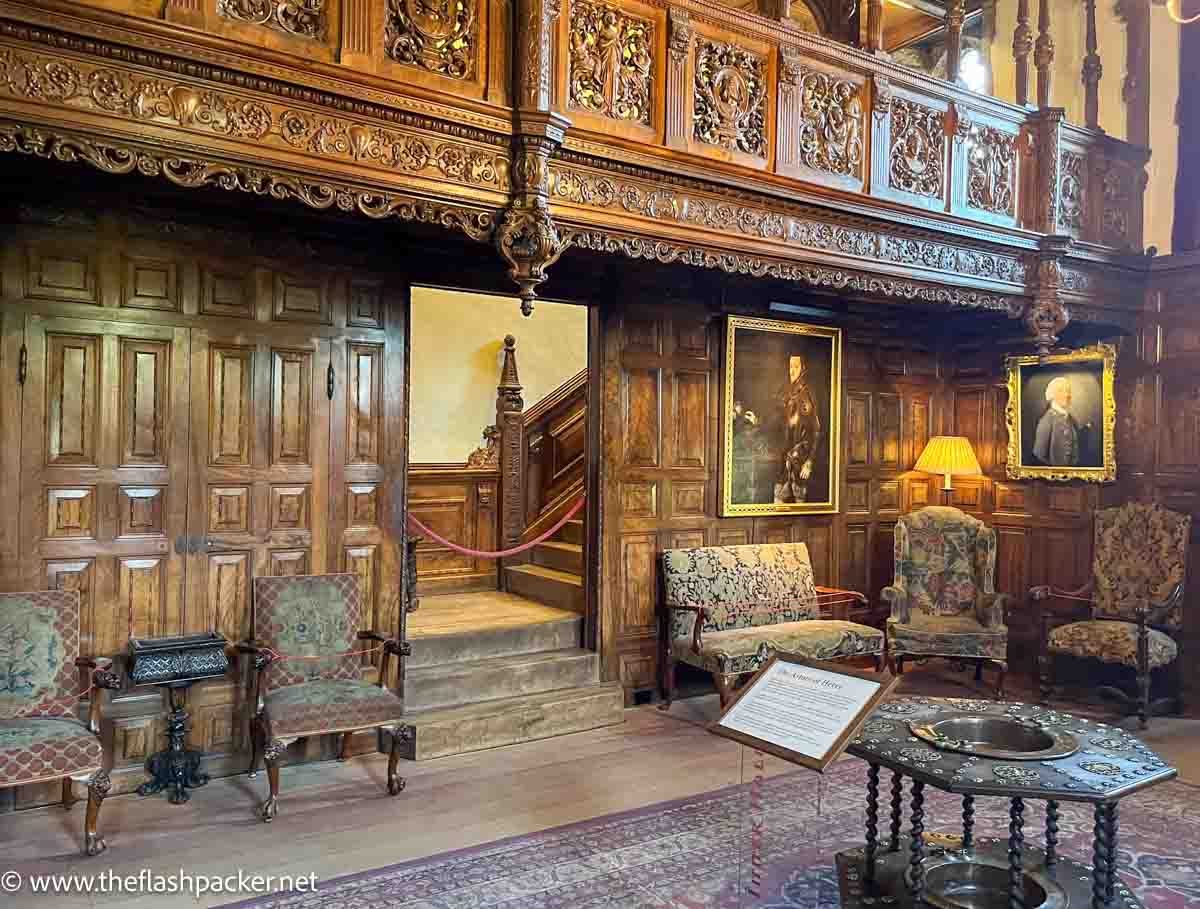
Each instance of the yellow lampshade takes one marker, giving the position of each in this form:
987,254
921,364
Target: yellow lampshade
951,456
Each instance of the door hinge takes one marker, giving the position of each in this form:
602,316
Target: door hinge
328,382
22,365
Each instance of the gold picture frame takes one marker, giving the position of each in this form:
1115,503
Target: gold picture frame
1063,431
781,419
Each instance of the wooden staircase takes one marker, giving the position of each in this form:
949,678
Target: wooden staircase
555,573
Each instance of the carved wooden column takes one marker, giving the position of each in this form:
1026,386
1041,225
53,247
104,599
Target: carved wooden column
1135,90
956,15
875,26
1043,54
527,236
1022,45
510,421
1046,315
679,45
1092,70
1048,125
356,34
185,12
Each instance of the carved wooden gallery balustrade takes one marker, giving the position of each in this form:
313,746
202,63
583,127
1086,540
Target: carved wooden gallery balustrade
673,130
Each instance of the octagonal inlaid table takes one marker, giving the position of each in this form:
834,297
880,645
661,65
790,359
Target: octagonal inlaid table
990,748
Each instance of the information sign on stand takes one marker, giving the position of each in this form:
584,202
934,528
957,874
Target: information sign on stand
801,710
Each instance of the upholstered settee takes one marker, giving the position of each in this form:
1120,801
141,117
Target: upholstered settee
943,600
729,608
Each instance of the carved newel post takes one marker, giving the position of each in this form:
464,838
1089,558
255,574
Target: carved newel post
510,420
527,236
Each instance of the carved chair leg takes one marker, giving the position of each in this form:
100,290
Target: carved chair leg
1003,670
724,685
1143,699
400,735
68,794
271,754
668,684
256,745
98,787
898,664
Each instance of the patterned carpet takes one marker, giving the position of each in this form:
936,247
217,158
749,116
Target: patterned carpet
699,852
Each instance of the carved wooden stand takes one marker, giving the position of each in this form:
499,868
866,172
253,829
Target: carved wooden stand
176,768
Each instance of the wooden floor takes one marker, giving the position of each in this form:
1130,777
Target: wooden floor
335,819
489,609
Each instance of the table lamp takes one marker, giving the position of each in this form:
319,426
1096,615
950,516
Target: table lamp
951,456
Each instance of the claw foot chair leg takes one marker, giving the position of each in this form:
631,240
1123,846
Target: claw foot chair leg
400,735
272,754
98,787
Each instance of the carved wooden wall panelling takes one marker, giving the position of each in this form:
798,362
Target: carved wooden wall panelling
177,434
823,123
461,504
910,158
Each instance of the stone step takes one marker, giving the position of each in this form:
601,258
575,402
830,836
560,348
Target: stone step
486,643
470,682
509,721
546,585
560,556
572,532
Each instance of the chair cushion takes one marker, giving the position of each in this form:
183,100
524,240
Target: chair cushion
746,649
1112,642
329,705
309,616
39,641
947,635
46,748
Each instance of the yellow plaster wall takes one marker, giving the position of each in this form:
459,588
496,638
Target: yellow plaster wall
1067,89
457,339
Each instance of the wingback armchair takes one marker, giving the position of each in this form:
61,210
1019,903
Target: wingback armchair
308,672
41,738
1131,612
943,599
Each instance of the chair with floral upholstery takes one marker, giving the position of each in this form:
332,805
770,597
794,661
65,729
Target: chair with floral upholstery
1130,613
308,677
41,737
943,598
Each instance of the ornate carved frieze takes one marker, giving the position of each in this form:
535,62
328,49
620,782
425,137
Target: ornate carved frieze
738,216
917,157
831,123
1072,192
301,18
118,158
991,156
730,98
440,36
824,277
113,90
611,62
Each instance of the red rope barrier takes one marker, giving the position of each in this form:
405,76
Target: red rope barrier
479,554
70,701
276,656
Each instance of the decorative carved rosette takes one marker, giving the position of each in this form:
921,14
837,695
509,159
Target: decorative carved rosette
730,98
611,62
831,128
440,36
918,150
301,18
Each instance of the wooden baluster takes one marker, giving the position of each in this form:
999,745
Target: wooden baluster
1135,90
874,26
956,14
1022,45
1043,54
1092,70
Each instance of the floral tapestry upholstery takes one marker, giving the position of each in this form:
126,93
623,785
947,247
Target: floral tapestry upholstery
946,635
739,586
39,643
309,616
1140,555
746,649
943,598
329,705
1112,642
46,748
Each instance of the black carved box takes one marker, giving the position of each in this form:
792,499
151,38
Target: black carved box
178,659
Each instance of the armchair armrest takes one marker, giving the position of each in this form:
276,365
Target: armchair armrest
990,609
898,600
1156,613
1048,591
390,646
697,626
102,677
261,658
841,605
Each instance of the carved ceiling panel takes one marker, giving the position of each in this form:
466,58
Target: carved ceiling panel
730,97
991,168
300,18
917,156
831,123
611,62
439,36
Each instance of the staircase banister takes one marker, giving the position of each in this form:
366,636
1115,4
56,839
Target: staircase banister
567,390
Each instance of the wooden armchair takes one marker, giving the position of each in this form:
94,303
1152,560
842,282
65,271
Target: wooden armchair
1131,612
41,739
308,674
